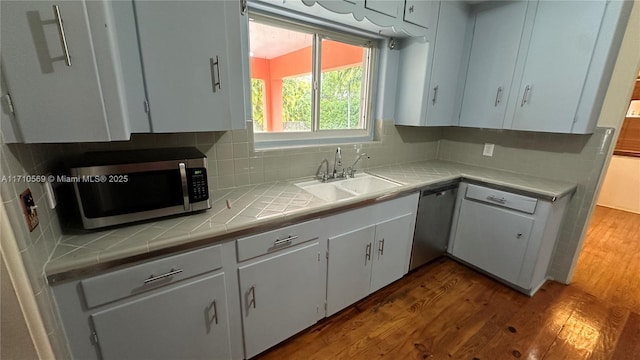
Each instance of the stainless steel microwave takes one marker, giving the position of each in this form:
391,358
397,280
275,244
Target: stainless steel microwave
119,187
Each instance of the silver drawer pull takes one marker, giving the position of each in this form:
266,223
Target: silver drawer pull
496,199
165,275
286,240
63,36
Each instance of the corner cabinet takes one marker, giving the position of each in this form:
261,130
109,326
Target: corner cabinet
431,69
62,73
542,65
190,53
506,235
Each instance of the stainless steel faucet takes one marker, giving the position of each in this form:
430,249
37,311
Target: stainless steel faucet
337,162
351,170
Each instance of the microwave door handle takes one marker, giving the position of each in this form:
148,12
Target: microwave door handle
185,187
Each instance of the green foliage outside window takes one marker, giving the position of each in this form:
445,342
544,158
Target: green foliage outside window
296,102
257,104
339,101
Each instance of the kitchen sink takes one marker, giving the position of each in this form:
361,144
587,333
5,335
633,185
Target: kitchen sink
339,190
365,184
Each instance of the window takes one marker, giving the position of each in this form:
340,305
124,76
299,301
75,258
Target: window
308,83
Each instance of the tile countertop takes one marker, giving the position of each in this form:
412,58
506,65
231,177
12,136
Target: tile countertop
257,208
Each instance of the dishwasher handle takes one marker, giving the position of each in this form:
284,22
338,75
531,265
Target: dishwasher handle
438,191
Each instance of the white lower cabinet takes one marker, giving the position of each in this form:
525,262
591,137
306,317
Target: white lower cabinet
365,260
392,243
281,295
349,268
256,291
368,249
179,307
506,235
493,239
183,322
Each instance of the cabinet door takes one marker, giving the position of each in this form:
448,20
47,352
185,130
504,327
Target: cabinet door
414,71
562,43
387,7
442,101
422,13
392,249
493,239
494,50
53,101
280,296
349,268
185,56
184,322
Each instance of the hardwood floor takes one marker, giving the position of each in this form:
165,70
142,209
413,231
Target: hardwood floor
447,311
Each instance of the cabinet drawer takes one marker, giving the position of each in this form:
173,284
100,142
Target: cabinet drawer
260,244
137,279
502,198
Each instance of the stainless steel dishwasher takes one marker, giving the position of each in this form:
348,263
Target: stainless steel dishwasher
433,223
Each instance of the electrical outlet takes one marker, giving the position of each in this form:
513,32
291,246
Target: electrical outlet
488,150
29,209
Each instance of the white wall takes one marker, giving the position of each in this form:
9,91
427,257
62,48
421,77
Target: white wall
621,187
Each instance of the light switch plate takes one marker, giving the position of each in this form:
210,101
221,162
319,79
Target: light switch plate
488,150
29,209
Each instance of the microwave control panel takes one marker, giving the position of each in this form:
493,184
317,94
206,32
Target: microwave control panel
198,186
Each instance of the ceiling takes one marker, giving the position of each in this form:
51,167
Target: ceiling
268,42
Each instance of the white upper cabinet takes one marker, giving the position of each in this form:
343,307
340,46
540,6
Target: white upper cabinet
422,13
431,72
449,63
393,18
61,86
414,70
387,7
560,51
542,65
496,40
187,55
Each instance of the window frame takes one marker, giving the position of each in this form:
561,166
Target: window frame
317,136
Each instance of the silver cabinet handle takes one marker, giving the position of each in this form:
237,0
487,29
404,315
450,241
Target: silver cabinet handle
243,7
63,36
286,240
498,96
525,96
252,290
367,253
435,95
165,275
496,199
381,246
215,312
519,235
185,186
215,74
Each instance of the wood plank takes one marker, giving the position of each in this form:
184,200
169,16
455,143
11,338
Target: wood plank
610,333
628,346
